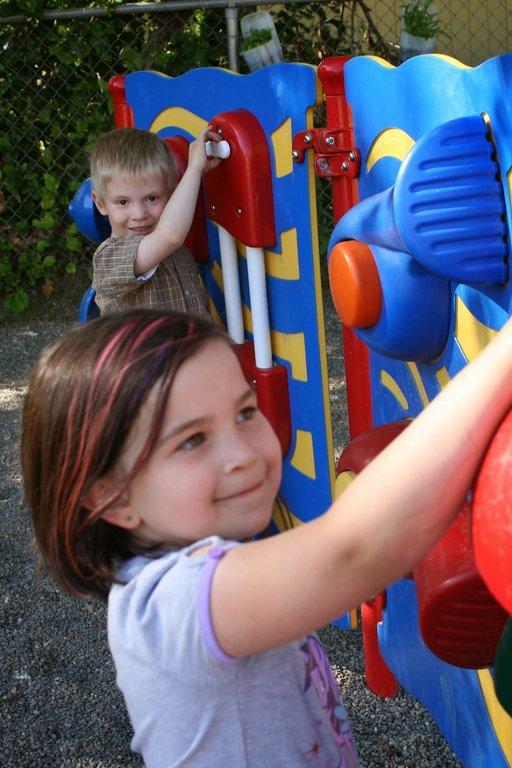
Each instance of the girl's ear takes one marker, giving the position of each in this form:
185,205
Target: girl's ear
99,204
120,513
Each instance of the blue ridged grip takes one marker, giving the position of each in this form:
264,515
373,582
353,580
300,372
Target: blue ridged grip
449,206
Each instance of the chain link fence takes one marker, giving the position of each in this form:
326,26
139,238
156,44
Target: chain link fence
54,70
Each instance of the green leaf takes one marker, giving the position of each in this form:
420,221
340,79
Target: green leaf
256,37
45,222
71,268
16,303
49,262
74,244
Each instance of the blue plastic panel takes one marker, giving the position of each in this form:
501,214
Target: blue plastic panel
281,97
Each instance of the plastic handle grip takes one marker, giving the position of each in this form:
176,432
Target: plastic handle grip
220,149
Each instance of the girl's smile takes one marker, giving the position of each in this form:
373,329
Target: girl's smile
242,493
216,468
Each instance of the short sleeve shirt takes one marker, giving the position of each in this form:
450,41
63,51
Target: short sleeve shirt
174,284
190,704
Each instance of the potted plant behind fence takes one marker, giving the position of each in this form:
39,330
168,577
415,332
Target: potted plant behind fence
254,49
420,29
260,45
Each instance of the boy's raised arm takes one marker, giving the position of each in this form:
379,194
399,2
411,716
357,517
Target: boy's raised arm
177,216
265,593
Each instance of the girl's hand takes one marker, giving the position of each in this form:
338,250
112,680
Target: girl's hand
197,157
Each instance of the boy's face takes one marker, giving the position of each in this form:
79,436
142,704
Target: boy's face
133,206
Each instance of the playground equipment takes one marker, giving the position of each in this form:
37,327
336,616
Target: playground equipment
419,275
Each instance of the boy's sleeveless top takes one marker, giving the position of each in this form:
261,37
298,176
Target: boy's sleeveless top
190,704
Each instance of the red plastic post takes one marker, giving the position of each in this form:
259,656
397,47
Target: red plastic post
378,676
345,196
358,453
123,114
271,385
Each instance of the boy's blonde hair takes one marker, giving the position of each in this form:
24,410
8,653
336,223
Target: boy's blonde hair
130,152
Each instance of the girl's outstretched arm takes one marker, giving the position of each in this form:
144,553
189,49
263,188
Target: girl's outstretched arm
268,592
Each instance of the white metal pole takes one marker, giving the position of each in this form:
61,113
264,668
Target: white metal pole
259,307
230,279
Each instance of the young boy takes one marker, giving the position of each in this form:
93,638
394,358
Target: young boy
143,263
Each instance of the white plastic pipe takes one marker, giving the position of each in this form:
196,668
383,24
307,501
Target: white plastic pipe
218,149
259,307
232,297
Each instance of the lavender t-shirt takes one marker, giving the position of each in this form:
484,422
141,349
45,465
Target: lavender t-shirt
190,704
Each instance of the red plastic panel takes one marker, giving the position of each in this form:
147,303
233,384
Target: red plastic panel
492,516
271,386
239,192
197,239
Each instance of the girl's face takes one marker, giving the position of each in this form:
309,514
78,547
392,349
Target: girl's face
216,467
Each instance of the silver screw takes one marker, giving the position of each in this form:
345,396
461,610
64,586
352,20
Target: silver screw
329,141
308,138
219,130
323,164
238,211
344,166
213,207
352,156
295,154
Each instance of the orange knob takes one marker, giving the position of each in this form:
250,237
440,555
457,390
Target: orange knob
355,284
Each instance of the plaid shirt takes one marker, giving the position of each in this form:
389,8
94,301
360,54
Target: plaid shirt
174,284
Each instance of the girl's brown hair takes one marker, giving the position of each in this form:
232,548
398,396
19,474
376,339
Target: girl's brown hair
84,397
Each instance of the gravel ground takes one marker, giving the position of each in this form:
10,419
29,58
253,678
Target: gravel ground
59,704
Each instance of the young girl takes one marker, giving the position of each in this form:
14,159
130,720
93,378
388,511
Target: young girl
147,463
